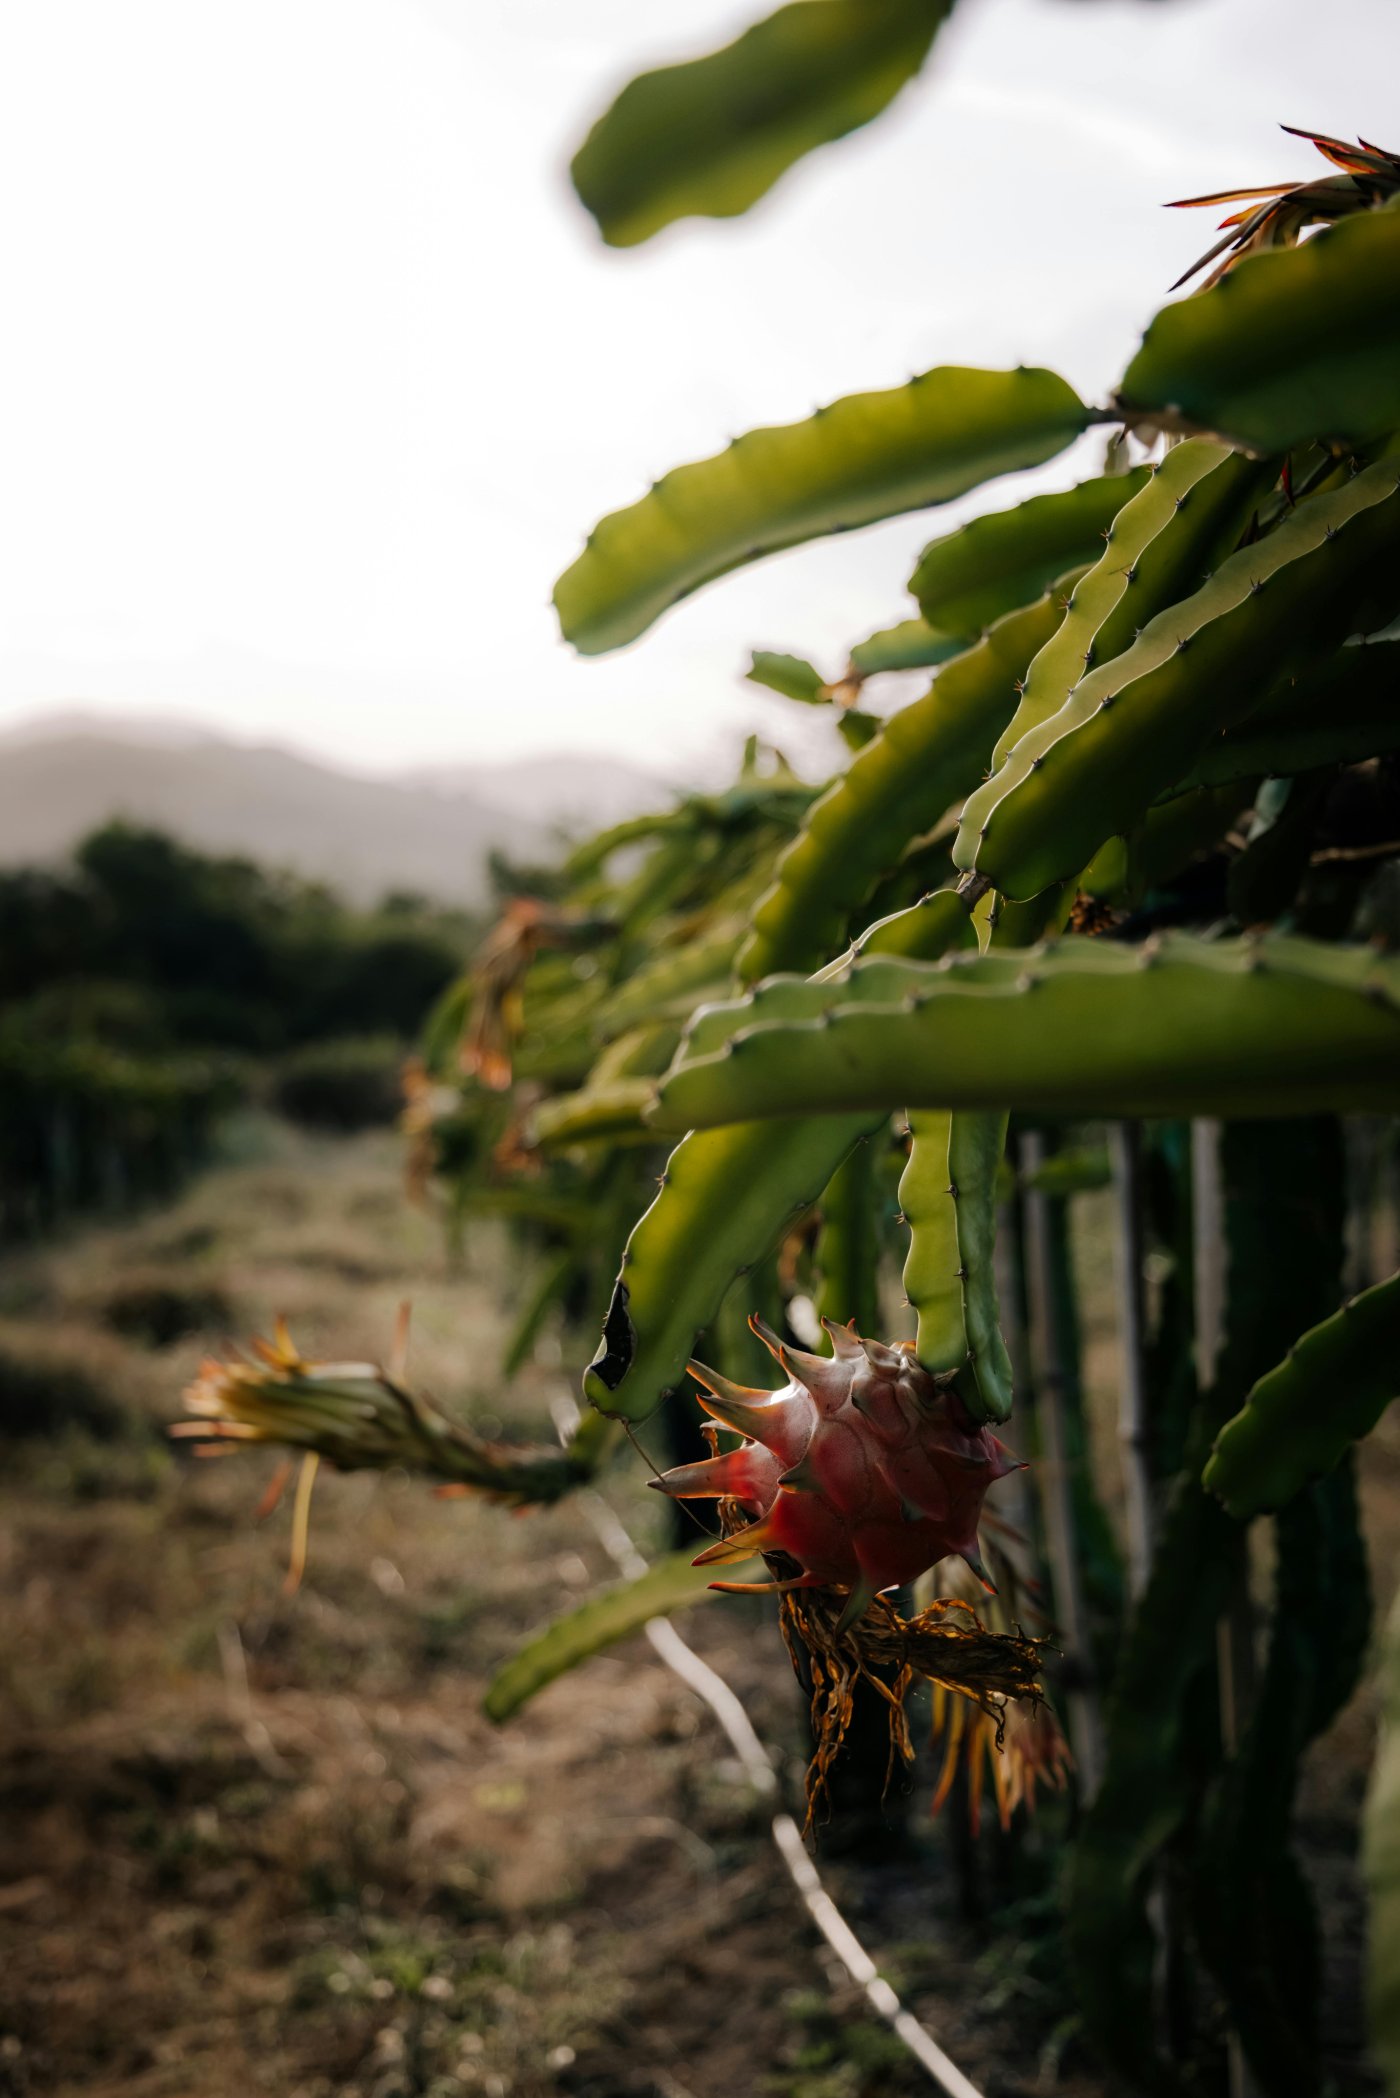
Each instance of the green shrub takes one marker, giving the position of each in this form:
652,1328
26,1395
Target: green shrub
340,1085
46,1393
159,1309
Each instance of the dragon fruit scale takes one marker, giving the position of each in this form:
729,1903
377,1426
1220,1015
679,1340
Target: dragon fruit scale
863,1469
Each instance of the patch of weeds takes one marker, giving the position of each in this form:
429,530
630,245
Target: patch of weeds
390,1960
85,1681
910,1963
342,1085
250,1136
47,1391
179,1846
486,2013
355,1843
720,1803
443,1626
463,1892
81,1467
159,1309
835,2057
248,1799
1023,1972
190,1243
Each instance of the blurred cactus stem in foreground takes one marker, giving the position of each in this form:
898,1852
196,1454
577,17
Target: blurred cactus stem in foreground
360,1416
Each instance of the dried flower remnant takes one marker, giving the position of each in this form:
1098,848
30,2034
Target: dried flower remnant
498,972
990,1674
426,1104
357,1415
1020,1743
1370,176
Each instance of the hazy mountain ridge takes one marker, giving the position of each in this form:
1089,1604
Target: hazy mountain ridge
364,836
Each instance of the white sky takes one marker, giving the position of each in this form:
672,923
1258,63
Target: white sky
314,374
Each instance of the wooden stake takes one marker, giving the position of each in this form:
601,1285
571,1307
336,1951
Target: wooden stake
1047,1346
1234,1637
1125,1150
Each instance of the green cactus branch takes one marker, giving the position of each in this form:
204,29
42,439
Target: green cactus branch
927,757
1136,725
996,563
725,1198
936,925
1169,837
847,1254
869,456
669,985
610,1114
931,1279
1300,1419
672,1584
948,1193
1191,510
709,137
1254,1910
1295,343
791,677
1185,1026
1340,712
911,645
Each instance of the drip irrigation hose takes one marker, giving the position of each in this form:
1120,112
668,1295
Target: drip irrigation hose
698,1676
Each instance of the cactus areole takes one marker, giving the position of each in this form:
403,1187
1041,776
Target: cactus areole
864,1469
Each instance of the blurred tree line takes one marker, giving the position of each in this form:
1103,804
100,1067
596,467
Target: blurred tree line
146,987
153,945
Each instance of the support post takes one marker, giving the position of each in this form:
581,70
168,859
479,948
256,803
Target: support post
1134,1432
1047,1347
1234,1637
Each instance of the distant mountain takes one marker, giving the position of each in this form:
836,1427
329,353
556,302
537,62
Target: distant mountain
60,779
577,790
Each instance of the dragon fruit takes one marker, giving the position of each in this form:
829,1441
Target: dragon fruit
864,1470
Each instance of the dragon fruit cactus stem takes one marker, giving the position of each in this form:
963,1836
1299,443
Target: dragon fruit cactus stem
864,1469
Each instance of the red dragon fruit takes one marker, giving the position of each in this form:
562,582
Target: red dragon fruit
864,1469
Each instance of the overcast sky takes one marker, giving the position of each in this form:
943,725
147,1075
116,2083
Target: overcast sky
314,374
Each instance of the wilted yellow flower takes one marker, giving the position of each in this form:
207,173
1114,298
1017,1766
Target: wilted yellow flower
1020,1742
498,978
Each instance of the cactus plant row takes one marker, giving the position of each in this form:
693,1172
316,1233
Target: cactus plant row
1062,884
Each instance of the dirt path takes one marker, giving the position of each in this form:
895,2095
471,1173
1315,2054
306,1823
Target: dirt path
250,1843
